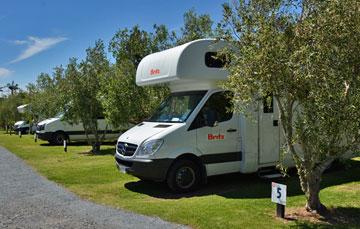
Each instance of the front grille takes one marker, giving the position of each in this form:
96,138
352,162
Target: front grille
126,149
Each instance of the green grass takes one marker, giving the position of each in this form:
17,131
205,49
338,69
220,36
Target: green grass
229,201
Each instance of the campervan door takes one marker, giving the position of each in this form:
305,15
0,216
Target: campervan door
269,132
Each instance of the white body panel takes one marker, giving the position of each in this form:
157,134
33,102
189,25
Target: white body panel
75,132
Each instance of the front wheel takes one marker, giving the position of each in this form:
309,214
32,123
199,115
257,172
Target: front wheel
58,138
184,176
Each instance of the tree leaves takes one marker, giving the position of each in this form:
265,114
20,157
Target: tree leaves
307,54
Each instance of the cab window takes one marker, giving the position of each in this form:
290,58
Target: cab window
216,110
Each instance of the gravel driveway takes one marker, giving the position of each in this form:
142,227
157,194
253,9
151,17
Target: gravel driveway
28,200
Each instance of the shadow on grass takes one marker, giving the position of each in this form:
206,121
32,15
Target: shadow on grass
112,143
108,151
103,152
238,186
341,217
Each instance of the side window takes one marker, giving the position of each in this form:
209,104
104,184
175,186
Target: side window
268,104
212,60
216,109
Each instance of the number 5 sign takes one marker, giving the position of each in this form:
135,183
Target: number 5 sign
278,193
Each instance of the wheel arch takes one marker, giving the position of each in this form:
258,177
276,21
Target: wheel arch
60,132
194,158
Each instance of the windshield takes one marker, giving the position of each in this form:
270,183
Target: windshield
177,107
59,115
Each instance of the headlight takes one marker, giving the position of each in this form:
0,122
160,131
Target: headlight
149,147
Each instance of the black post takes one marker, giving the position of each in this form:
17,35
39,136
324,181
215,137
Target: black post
65,146
280,210
35,137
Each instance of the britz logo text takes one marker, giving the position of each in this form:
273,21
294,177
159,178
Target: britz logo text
215,137
154,71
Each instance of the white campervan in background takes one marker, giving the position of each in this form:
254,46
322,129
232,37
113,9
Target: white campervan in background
55,130
23,127
192,135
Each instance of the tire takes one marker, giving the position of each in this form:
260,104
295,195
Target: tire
58,138
183,176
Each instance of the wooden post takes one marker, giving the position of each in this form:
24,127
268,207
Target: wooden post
280,210
35,137
20,133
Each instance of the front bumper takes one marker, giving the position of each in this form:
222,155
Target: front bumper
154,169
23,130
46,136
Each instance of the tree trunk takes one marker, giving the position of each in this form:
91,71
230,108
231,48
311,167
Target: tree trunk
96,148
313,202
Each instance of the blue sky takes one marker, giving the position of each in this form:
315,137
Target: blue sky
36,36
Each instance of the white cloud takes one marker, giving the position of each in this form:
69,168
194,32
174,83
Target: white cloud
4,72
20,42
36,45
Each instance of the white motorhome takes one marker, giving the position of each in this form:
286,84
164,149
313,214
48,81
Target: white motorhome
55,130
23,127
193,135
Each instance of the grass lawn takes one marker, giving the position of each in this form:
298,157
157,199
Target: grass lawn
229,201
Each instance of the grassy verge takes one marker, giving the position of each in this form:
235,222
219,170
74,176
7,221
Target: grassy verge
229,201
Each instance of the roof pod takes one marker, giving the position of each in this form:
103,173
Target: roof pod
184,64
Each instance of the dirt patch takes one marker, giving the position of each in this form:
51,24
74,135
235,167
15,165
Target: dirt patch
301,214
332,216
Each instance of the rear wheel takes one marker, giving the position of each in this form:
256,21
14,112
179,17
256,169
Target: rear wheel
184,176
58,138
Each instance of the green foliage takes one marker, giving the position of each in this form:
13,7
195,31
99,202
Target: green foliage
124,102
195,27
306,53
8,109
80,90
44,97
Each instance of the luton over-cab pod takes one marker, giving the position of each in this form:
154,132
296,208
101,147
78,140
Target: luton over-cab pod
23,108
190,66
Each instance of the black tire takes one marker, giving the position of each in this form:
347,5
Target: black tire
58,138
183,176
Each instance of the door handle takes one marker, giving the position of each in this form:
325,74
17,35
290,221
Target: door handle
231,130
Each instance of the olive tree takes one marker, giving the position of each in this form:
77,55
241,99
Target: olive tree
124,102
195,27
44,95
80,91
8,110
305,54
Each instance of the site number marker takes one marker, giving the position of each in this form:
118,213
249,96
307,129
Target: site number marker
278,196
